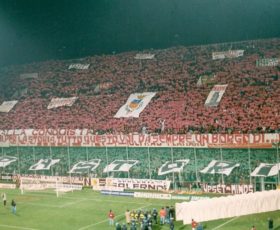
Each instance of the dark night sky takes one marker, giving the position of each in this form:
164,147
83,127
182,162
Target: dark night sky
36,30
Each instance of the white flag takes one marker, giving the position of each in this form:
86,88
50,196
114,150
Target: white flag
6,106
120,166
215,95
85,166
58,102
265,170
220,167
44,164
135,104
169,167
6,160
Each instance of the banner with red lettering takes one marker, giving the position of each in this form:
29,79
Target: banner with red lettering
135,104
215,95
85,137
58,102
6,106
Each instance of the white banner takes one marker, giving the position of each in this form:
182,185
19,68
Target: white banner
7,186
227,54
215,95
220,167
170,167
267,62
149,195
85,166
206,79
53,179
228,207
228,188
145,184
29,76
44,164
58,102
265,170
6,106
6,160
120,166
143,56
79,66
135,104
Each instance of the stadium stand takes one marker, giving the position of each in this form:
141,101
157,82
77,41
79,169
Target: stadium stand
250,103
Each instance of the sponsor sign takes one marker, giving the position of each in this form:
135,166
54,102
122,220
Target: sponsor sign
150,195
53,179
229,188
170,167
58,102
68,187
144,56
6,160
7,186
266,170
117,193
6,106
227,54
144,184
85,137
120,166
135,104
79,66
215,95
6,177
85,166
220,167
44,164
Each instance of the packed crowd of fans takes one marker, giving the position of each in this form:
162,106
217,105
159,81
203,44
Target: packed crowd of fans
250,104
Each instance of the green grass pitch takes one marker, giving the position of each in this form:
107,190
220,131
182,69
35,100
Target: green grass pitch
85,210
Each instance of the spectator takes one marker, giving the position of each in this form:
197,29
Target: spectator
14,206
270,224
162,214
111,217
194,224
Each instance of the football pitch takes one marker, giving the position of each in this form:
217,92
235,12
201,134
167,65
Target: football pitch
86,209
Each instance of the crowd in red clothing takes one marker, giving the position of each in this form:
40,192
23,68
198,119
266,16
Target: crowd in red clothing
250,104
